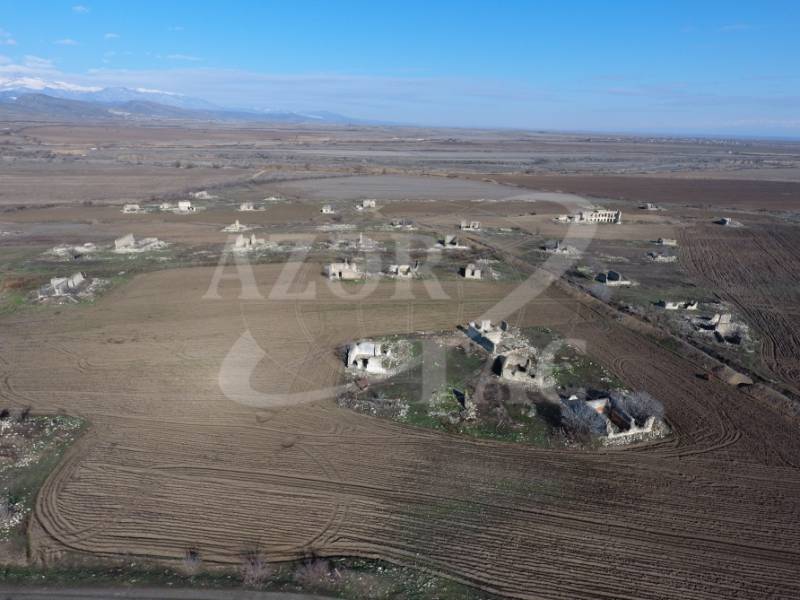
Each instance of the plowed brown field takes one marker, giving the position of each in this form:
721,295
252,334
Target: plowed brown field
171,463
756,269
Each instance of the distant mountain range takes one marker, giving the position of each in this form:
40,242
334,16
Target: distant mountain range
29,98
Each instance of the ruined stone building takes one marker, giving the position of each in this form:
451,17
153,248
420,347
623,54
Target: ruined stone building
345,271
471,272
367,356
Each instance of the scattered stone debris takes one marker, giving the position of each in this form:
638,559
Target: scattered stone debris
449,242
185,206
649,206
327,209
591,217
251,207
132,209
620,418
723,327
250,243
202,195
407,224
344,271
378,358
127,244
470,226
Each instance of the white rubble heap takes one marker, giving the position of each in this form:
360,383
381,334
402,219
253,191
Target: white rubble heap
132,209
185,206
486,334
620,427
522,365
666,242
682,305
559,247
591,217
73,252
71,288
236,227
612,279
127,244
470,226
660,257
250,243
327,209
723,327
202,195
251,206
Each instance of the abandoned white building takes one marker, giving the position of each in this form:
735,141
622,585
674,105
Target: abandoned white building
594,216
666,242
368,356
74,252
487,335
366,203
649,206
619,425
345,271
125,242
401,223
612,279
131,209
403,271
471,272
246,243
450,242
521,366
247,207
327,209
470,225
660,257
62,286
185,206
165,207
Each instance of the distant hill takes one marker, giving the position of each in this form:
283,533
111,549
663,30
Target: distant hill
39,100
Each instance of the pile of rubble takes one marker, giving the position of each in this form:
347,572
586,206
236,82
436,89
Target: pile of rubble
127,244
74,288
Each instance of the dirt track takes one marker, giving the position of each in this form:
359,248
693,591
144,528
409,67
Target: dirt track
172,463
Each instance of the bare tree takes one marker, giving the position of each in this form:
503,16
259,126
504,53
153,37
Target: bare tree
191,562
581,420
641,405
315,574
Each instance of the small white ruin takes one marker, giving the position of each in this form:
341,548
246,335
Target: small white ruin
660,257
450,242
612,279
202,195
250,243
592,217
344,271
369,357
471,272
327,209
727,222
71,288
487,335
666,242
131,209
470,226
251,207
365,204
403,271
166,207
236,227
185,206
366,244
559,247
401,224
128,244
73,252
649,206
521,366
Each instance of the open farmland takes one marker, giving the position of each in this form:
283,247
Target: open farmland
756,269
170,462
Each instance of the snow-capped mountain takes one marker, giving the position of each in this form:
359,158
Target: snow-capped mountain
109,95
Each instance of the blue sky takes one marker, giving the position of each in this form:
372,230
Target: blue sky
682,67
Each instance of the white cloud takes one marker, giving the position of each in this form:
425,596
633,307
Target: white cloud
6,38
80,8
187,57
66,42
111,36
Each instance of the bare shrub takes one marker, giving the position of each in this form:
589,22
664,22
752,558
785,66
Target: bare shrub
6,510
255,570
581,420
641,405
316,574
191,562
